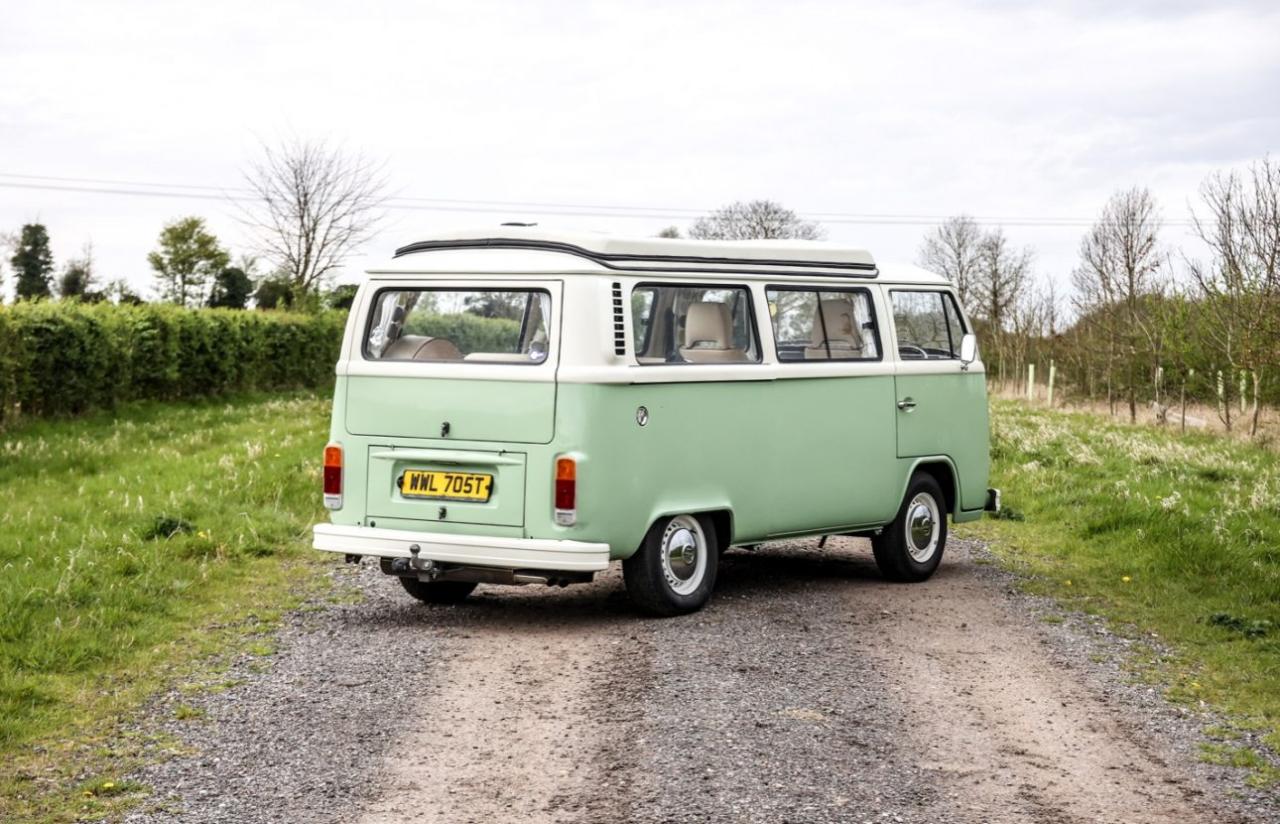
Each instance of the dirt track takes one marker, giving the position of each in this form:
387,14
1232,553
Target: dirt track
809,691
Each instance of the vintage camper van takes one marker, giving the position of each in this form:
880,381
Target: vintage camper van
518,406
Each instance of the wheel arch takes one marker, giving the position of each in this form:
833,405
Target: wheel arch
943,470
721,516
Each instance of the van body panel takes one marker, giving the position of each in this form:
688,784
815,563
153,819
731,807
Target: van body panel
735,446
475,410
949,418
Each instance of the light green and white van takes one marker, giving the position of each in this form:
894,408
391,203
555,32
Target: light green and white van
517,406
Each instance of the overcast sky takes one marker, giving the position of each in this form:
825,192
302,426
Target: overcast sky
1013,112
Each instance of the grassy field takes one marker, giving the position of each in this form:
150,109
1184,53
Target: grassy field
1174,538
132,546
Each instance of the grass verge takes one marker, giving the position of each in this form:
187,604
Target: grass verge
1173,538
134,546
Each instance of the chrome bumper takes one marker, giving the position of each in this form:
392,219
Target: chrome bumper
468,550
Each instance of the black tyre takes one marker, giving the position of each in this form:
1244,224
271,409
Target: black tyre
437,592
910,547
674,570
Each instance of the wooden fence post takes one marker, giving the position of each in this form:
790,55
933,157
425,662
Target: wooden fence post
1053,370
1191,373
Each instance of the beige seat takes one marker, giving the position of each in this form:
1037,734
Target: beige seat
708,335
834,326
420,347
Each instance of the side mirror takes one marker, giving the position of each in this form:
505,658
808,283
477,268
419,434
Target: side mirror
968,350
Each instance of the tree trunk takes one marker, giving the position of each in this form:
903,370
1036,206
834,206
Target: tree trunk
1257,386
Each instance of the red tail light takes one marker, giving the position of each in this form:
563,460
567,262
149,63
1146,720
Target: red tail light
333,476
566,491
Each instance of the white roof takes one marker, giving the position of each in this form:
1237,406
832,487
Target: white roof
516,249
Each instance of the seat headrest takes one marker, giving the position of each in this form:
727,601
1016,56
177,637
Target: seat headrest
836,316
707,326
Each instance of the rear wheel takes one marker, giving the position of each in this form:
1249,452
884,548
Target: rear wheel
910,547
437,592
674,570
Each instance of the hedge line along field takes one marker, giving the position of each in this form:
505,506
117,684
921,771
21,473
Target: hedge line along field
131,546
66,358
1176,539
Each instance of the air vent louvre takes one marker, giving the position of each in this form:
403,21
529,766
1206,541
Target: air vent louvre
619,329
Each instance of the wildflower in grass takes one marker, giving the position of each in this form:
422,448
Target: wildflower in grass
1067,582
1126,579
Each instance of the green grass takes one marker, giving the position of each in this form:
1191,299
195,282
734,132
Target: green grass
133,546
1175,539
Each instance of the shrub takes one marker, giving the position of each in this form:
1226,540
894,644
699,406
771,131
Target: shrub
470,333
66,358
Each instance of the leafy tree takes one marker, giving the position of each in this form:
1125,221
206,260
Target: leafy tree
33,262
757,219
274,292
120,292
77,276
189,257
342,296
232,288
508,305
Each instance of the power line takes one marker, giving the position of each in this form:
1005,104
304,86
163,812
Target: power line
405,203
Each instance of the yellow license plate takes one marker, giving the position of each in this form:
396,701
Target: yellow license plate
448,486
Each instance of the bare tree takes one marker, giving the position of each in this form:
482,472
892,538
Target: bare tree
953,250
1118,275
313,206
1241,285
1000,281
669,232
757,219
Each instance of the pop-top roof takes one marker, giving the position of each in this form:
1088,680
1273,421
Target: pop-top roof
650,254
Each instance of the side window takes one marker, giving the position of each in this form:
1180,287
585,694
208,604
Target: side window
928,325
693,324
641,316
823,324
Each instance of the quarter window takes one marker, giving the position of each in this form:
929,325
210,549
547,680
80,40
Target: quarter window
693,324
928,325
473,325
823,324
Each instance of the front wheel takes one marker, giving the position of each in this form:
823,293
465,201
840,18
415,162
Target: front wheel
437,592
674,570
910,547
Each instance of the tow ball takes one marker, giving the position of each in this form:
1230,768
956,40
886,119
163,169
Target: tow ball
423,566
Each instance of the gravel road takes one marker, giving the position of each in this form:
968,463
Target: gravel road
809,691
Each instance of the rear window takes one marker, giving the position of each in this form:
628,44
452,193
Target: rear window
472,325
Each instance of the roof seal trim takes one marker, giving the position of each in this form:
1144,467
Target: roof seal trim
618,261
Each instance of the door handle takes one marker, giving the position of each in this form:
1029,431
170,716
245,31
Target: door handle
907,404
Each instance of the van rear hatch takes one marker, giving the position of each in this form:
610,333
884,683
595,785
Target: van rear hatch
440,371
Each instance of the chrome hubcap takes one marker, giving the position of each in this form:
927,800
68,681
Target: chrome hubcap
684,554
922,527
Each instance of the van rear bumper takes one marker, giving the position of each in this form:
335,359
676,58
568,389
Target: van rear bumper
469,550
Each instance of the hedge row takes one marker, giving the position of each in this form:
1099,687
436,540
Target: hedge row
66,358
470,333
